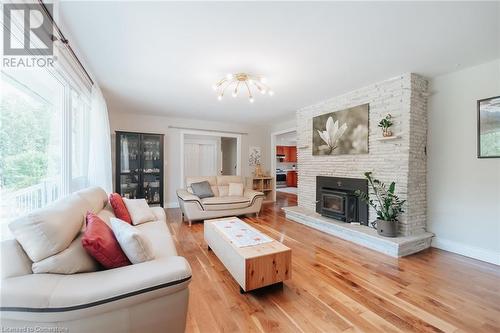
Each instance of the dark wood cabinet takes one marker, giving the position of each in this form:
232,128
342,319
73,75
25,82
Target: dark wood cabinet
290,153
280,150
139,166
291,179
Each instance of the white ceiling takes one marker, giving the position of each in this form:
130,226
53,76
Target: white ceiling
163,57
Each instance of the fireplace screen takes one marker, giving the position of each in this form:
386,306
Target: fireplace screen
336,198
334,203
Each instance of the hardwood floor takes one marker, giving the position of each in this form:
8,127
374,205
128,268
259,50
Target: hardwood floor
337,286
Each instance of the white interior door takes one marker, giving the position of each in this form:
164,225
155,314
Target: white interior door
200,159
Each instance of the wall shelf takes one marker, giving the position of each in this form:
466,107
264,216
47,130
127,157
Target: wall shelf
388,138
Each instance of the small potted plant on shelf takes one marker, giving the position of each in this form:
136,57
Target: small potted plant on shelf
385,124
387,205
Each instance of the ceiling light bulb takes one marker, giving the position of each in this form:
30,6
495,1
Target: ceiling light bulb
251,99
229,76
271,93
219,97
235,94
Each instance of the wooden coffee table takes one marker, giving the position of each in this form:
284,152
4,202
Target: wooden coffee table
253,266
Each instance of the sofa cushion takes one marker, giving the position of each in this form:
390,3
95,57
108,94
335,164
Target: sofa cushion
202,190
212,180
225,180
225,203
235,189
50,230
161,238
100,242
223,190
70,261
139,210
119,208
136,246
106,214
13,260
96,197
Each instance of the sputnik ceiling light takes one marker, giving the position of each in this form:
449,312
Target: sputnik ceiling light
245,81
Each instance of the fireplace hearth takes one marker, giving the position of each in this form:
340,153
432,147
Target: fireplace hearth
335,198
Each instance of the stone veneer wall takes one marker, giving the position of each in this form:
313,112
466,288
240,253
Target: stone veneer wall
402,160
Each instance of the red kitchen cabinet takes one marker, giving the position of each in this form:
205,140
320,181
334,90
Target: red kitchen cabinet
291,179
280,150
292,153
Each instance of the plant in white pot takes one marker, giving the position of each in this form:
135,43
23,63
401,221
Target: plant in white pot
387,205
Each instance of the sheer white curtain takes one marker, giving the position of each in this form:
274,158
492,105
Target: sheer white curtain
100,169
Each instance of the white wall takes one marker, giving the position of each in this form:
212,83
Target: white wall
285,124
256,136
463,191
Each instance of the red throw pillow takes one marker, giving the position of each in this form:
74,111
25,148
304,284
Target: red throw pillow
119,208
100,242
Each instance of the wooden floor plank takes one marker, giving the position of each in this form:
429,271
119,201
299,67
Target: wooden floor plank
338,286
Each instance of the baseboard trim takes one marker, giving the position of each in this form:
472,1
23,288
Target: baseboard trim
171,205
466,250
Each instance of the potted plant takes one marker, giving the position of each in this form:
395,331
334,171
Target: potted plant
387,205
385,124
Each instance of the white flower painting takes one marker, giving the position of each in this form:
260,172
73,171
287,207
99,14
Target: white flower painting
341,132
254,156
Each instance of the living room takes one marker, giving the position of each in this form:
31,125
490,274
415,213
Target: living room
250,166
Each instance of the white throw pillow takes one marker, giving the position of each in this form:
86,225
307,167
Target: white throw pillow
235,189
136,246
139,210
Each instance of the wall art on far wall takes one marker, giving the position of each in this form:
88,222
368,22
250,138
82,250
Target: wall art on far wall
254,156
341,132
488,127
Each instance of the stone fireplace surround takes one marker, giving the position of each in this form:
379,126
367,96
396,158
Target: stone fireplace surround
401,159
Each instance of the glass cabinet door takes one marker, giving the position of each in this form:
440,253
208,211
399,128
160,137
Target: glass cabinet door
129,186
151,167
130,165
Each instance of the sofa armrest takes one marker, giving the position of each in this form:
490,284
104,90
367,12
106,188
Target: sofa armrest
159,213
63,293
184,195
252,194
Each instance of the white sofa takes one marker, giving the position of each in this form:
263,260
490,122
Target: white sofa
195,209
146,297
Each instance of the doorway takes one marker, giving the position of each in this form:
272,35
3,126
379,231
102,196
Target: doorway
207,153
284,162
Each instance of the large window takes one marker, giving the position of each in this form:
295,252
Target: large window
45,116
44,124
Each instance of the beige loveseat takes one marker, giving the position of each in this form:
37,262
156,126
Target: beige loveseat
195,209
148,297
